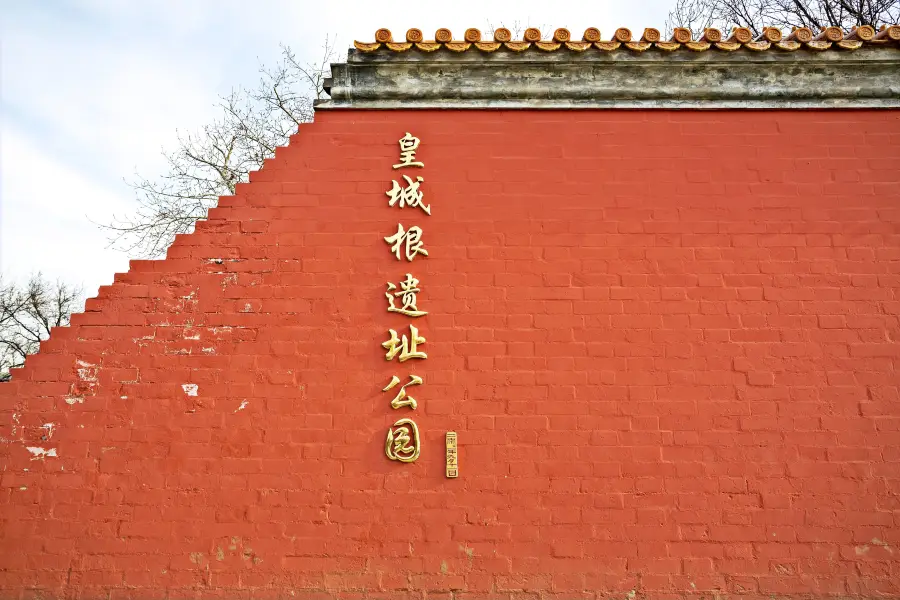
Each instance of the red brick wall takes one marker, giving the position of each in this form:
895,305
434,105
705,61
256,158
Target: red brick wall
667,340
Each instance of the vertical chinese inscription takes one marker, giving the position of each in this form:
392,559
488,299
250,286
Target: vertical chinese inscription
452,456
403,443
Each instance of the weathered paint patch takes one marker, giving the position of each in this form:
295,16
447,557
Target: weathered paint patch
190,388
41,453
86,371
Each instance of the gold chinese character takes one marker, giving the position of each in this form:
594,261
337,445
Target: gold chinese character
409,195
405,347
402,441
408,147
412,238
401,399
408,291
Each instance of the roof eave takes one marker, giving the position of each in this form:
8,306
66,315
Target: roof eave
858,77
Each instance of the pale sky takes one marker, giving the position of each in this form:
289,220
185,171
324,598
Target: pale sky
91,91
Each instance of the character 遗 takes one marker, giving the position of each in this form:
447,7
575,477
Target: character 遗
405,347
408,147
408,292
409,195
402,399
412,238
402,441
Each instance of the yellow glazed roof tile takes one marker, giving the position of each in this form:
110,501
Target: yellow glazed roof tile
562,40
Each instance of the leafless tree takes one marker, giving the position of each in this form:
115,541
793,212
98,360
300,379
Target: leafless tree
27,313
209,163
516,28
757,14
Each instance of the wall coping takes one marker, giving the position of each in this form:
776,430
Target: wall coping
853,75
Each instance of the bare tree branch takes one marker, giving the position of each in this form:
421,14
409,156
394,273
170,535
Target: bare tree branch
27,315
517,29
786,14
210,163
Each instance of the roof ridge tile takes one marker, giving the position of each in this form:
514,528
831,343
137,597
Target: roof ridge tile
741,37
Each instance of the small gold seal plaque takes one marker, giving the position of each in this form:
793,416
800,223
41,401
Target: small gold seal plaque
452,456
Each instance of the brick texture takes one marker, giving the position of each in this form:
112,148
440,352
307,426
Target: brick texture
668,341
